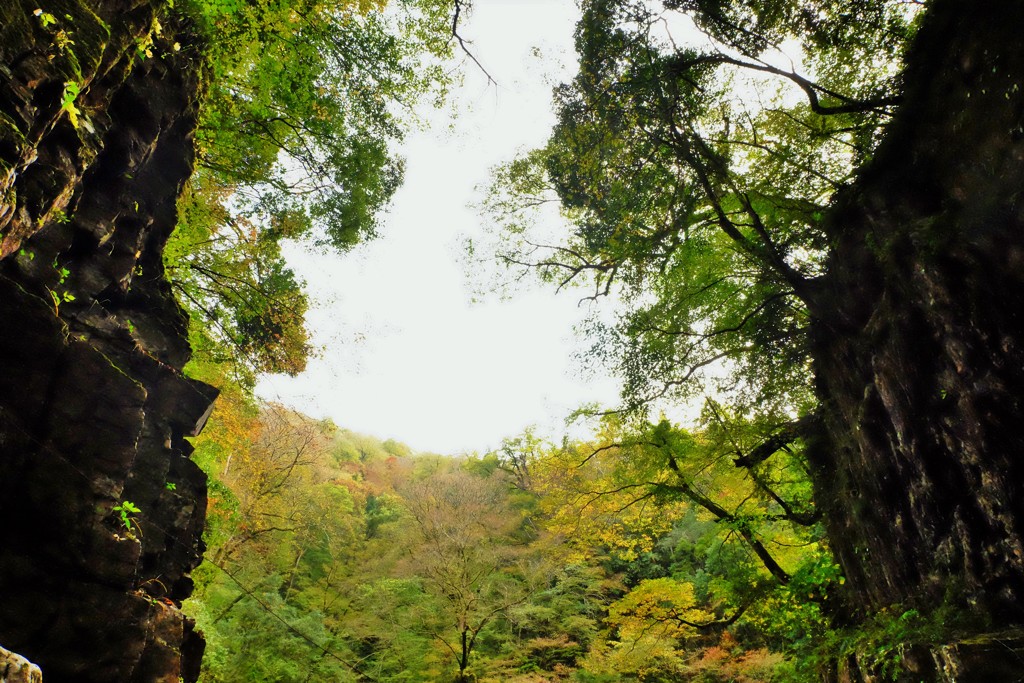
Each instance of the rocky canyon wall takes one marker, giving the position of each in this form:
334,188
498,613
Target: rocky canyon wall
98,102
919,348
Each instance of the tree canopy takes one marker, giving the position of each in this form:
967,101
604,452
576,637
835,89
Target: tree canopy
694,173
304,106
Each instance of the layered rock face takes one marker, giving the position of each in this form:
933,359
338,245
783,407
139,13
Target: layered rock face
101,509
919,338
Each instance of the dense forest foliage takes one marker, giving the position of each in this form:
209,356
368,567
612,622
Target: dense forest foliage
336,557
698,170
695,176
305,103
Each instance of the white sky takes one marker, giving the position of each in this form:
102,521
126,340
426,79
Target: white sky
405,354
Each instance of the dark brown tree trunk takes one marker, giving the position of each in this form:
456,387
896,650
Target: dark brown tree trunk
919,333
464,658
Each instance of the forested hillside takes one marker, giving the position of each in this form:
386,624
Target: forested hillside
337,557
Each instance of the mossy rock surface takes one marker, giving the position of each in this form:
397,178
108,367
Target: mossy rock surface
12,140
88,34
17,33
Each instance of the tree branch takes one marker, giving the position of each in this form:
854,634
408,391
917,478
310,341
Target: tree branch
459,6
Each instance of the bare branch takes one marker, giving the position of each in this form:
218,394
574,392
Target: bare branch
463,44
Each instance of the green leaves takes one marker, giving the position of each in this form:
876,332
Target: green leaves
45,18
693,176
248,305
302,108
125,511
306,101
67,102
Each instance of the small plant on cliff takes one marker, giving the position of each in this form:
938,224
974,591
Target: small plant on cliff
144,44
45,18
67,102
56,296
125,509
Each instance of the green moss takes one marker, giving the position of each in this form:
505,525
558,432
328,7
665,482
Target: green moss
11,137
89,35
16,31
881,641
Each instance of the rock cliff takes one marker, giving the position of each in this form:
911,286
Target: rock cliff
918,345
920,364
98,103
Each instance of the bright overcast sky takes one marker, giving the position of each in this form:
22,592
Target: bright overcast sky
406,356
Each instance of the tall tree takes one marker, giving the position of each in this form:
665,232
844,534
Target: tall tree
464,550
826,243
